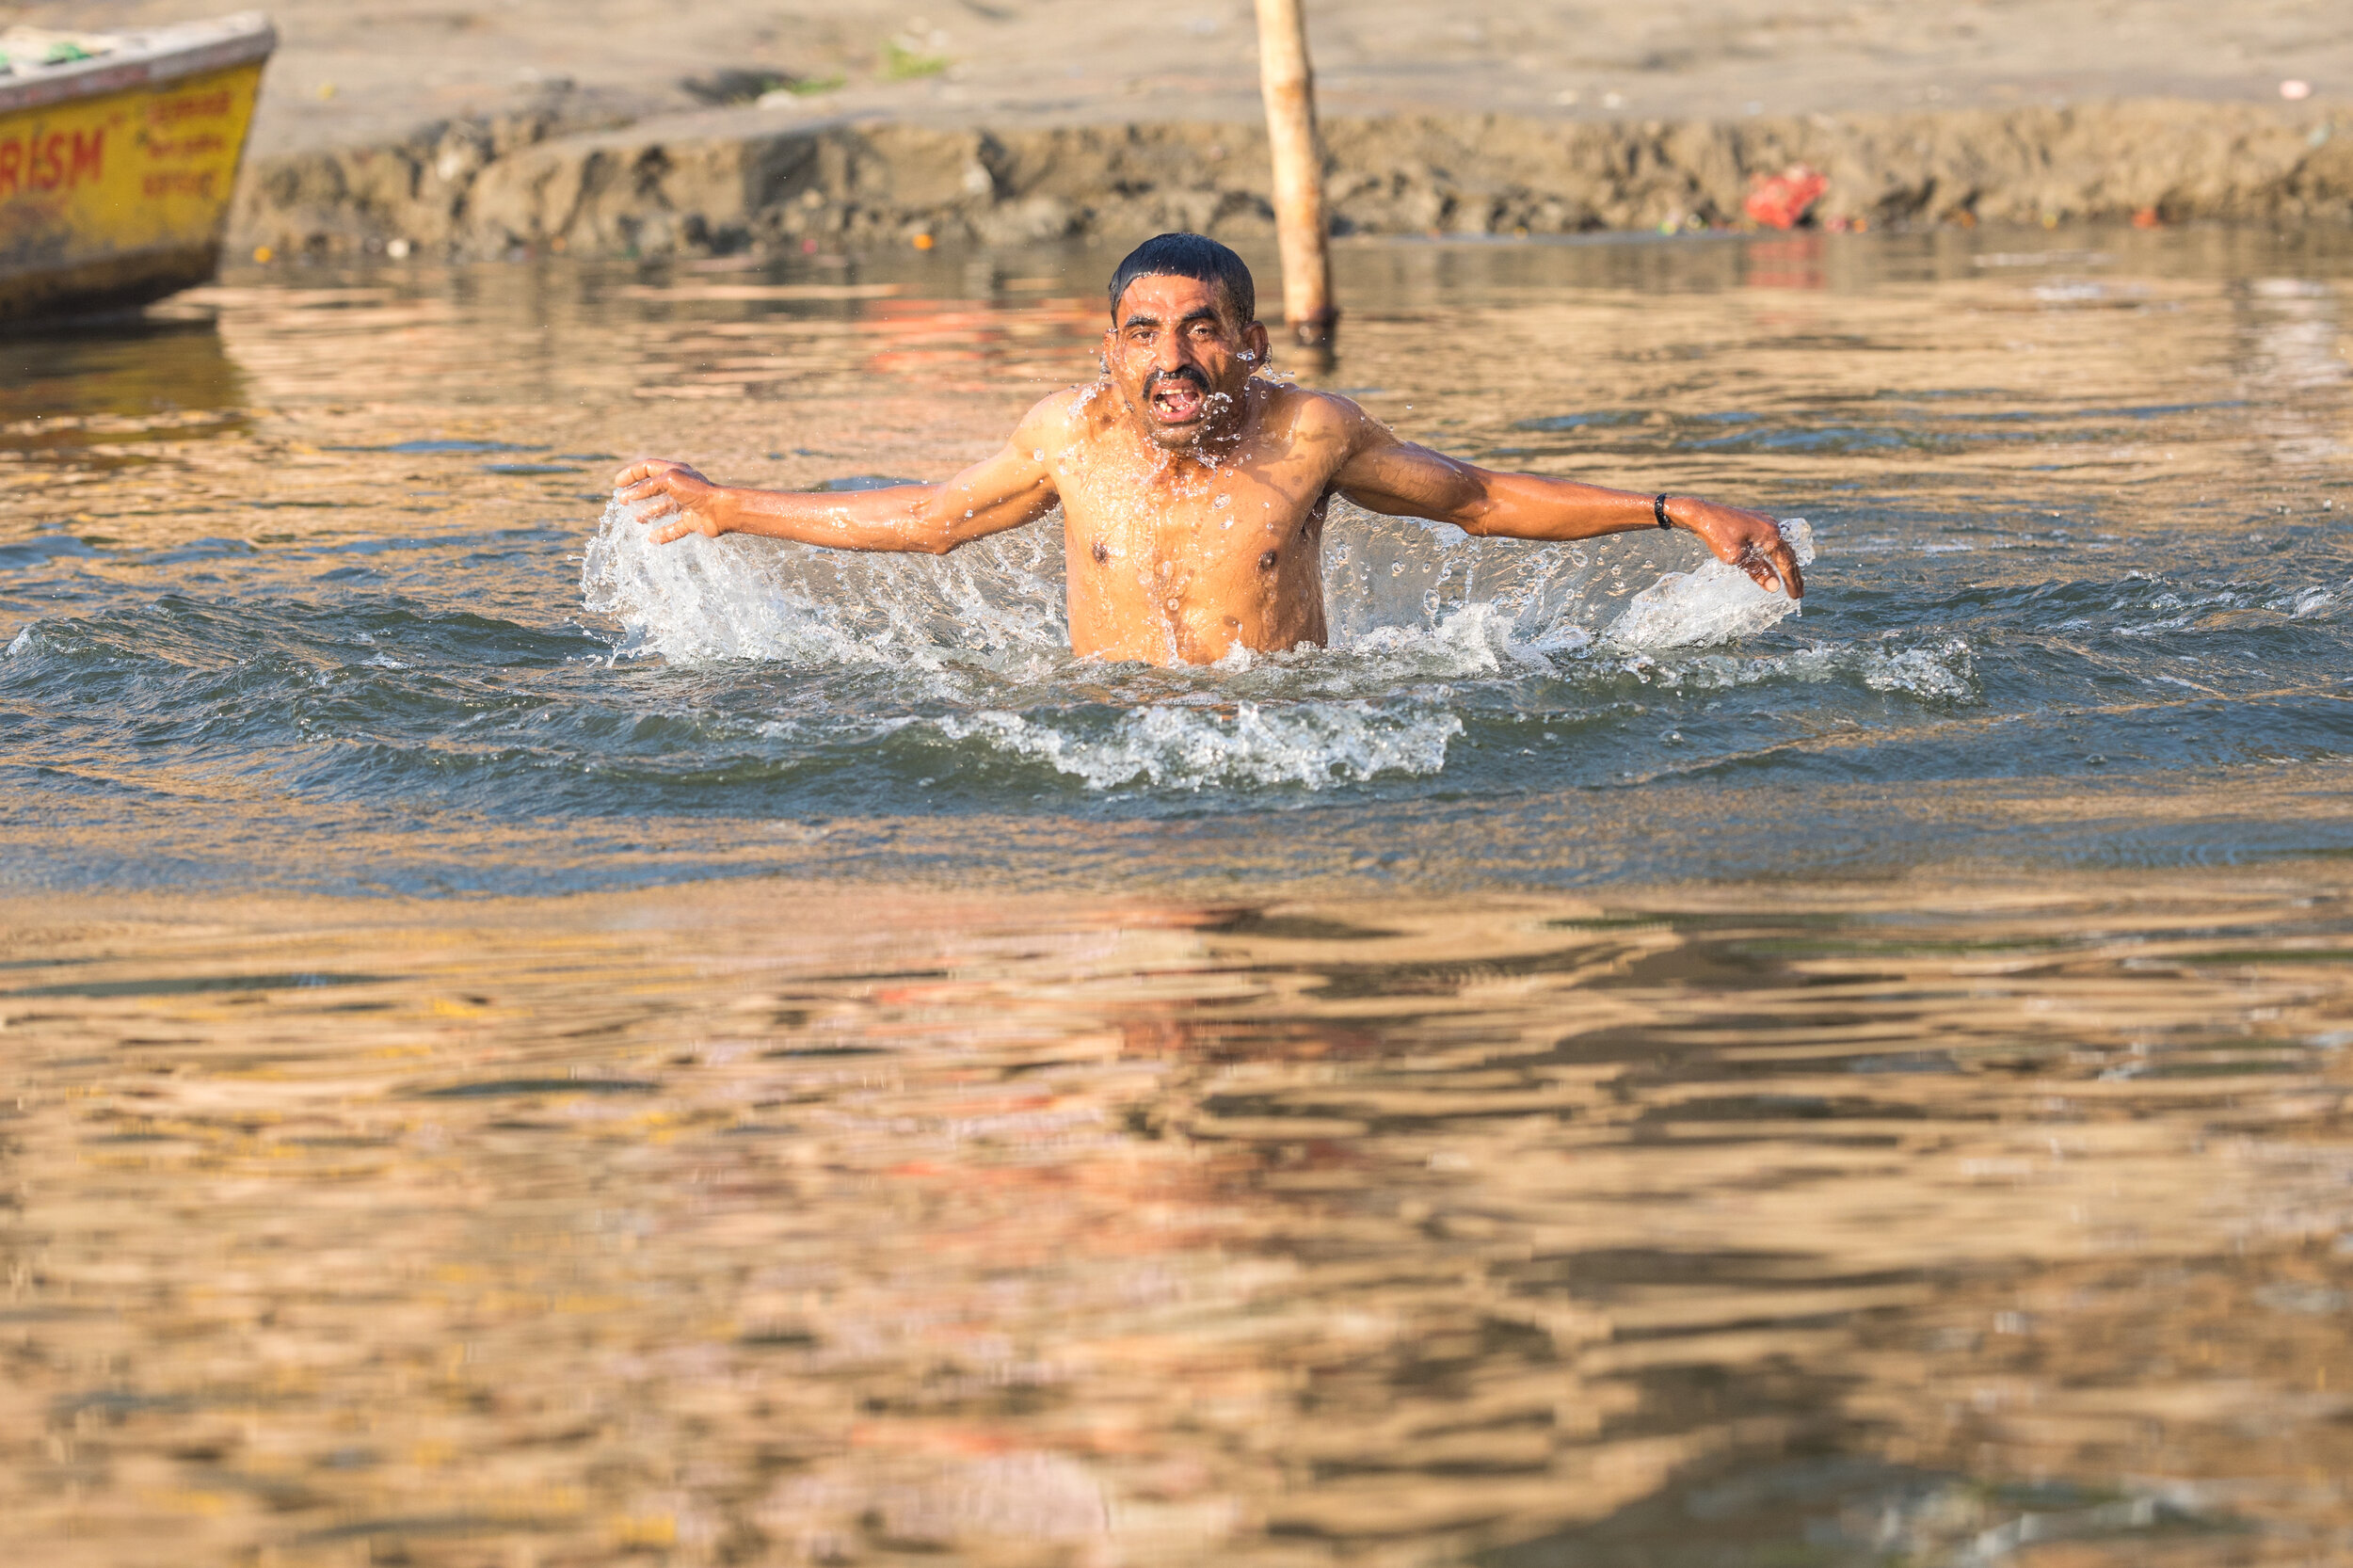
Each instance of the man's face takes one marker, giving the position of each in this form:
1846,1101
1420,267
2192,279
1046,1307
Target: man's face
1179,358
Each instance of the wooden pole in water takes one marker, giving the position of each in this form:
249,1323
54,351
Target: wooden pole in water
1300,228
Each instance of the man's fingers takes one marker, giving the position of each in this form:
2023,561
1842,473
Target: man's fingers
644,470
652,469
652,485
1773,566
649,502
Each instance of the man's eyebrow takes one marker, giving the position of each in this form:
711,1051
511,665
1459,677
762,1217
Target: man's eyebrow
1204,312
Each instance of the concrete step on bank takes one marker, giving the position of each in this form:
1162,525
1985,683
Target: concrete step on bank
735,180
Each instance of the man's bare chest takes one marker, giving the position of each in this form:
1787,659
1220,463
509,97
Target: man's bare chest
1233,517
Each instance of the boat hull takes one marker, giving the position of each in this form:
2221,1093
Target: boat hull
117,196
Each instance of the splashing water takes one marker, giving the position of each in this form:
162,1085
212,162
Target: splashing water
981,635
696,599
1311,744
981,632
1396,590
1716,603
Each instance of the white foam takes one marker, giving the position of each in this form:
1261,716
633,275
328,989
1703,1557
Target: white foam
1479,638
1313,744
1716,603
698,600
1944,670
1405,600
1411,607
1390,581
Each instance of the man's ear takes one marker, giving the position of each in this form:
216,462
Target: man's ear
1254,338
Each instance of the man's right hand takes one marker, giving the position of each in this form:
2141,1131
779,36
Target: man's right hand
671,499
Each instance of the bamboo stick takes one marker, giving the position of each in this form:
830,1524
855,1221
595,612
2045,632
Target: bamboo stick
1300,228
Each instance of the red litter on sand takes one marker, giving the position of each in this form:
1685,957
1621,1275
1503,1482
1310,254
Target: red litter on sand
1779,200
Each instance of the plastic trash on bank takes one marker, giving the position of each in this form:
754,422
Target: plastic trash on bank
1781,200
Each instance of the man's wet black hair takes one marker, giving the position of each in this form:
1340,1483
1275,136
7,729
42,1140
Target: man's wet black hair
1195,256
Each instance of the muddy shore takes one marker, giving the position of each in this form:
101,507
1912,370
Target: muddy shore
734,182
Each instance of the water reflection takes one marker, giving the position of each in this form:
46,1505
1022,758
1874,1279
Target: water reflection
1931,1222
84,403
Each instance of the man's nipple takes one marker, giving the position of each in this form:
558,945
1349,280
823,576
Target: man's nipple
1100,551
1266,561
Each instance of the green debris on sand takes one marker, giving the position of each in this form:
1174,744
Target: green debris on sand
903,64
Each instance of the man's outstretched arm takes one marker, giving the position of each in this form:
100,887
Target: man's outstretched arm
1400,479
1004,491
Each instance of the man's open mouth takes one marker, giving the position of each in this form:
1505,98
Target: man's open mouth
1176,399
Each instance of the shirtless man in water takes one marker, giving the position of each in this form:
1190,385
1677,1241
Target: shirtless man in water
1193,490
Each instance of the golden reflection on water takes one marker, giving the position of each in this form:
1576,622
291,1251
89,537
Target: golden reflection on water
763,1223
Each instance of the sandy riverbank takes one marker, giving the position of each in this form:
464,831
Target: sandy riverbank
591,127
372,74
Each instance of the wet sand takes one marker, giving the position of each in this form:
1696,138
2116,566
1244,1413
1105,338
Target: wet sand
1933,1220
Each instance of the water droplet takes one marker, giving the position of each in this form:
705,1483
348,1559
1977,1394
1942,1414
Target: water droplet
1221,503
1038,454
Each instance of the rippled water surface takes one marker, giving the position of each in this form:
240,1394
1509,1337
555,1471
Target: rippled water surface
300,595
521,1051
773,1224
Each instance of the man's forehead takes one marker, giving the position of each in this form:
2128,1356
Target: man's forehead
1159,293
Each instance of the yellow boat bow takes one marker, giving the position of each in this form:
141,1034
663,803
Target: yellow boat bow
117,156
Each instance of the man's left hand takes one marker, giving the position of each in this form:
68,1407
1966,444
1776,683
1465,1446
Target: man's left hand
1750,540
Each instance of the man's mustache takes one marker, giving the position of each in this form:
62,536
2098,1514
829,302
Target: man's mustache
1201,382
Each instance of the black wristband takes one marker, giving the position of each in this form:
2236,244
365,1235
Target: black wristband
1659,510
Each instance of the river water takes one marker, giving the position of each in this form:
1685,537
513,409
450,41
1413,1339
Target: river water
300,599
527,1050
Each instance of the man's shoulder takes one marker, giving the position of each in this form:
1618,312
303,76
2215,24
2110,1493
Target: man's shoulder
1063,415
1309,414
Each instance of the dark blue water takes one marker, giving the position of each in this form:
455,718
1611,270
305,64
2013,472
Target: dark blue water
314,594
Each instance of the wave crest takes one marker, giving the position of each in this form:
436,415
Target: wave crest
1310,744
